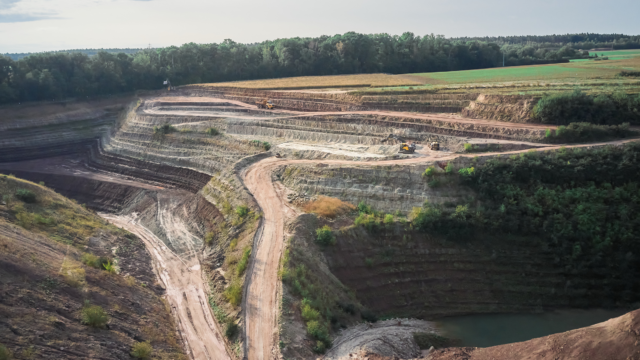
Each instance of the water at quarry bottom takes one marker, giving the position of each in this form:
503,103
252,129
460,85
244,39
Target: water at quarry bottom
498,329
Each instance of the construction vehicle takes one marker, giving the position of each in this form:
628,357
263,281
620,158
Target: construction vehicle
265,104
435,146
168,83
407,149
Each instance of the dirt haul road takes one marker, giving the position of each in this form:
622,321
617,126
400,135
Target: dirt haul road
260,301
289,114
183,281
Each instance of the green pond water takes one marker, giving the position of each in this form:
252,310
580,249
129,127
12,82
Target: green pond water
498,329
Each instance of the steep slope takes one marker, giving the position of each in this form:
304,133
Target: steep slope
54,256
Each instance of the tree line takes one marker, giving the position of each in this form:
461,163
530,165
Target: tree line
58,75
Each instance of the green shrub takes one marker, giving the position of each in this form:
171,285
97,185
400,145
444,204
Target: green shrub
231,330
242,211
468,147
109,267
212,131
324,236
309,313
625,73
434,183
208,238
233,293
317,330
364,208
320,347
368,262
430,171
427,340
25,195
5,354
94,261
142,350
244,261
94,316
388,219
266,146
368,316
449,168
584,132
164,129
370,222
466,172
603,109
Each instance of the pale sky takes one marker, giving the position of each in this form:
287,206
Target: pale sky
42,25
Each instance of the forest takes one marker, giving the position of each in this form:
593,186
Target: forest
60,75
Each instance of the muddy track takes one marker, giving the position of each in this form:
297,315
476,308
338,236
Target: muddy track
260,301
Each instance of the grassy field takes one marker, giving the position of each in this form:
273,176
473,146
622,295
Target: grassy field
612,55
571,72
320,82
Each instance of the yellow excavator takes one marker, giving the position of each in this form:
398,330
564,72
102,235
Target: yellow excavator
405,147
265,104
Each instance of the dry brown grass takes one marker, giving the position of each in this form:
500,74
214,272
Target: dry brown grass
318,82
328,207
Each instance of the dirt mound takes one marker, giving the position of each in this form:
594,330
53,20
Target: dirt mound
387,338
614,339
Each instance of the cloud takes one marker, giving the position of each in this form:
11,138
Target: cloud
14,17
18,17
7,4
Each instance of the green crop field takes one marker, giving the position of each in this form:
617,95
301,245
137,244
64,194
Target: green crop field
612,55
571,72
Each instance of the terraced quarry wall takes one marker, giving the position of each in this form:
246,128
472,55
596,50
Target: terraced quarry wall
384,188
402,273
509,108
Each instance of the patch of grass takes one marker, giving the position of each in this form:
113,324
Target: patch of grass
261,144
233,244
208,238
25,195
212,131
328,207
427,340
242,211
109,267
142,350
233,293
231,330
388,219
430,171
5,353
244,261
449,168
94,316
368,262
164,129
324,236
73,273
94,261
130,280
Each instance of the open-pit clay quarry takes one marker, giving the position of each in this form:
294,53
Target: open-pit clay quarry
192,175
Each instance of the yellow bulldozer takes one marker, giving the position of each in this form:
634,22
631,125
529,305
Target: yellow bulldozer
265,104
407,149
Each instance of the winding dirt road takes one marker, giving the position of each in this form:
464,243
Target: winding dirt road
183,281
260,301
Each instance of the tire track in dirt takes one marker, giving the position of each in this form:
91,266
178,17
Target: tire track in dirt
260,300
183,280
